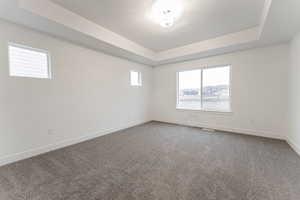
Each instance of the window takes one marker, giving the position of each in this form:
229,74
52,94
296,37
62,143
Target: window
28,62
216,89
189,89
204,89
135,78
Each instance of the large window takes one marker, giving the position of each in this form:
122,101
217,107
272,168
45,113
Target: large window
28,62
204,89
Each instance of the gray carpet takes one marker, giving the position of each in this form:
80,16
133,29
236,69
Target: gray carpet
158,161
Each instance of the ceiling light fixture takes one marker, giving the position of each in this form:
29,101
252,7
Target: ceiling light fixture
166,12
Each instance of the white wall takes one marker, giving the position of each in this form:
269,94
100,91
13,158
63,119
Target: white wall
89,94
258,93
294,94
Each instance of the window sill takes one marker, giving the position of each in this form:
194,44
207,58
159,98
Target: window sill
204,110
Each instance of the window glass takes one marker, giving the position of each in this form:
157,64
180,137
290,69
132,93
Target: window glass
28,62
216,89
135,78
189,83
204,89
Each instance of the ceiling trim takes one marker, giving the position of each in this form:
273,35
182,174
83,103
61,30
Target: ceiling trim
228,40
202,48
58,14
78,29
265,13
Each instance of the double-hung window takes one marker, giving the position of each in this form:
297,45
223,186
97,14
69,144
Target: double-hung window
204,89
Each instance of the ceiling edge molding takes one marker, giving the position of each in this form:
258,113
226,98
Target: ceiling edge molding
225,43
228,40
49,17
265,13
60,15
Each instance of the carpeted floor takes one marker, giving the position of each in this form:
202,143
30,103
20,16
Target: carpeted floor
158,161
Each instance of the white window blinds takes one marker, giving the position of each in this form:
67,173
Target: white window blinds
28,62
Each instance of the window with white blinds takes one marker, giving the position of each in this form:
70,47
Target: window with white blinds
28,62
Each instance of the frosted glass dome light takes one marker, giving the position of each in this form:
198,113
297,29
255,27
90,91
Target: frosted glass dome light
166,12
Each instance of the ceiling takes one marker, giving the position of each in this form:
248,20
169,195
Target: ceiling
122,28
201,20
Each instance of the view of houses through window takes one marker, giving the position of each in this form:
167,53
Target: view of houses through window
204,89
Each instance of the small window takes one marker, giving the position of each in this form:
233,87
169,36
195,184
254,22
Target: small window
28,62
135,78
204,89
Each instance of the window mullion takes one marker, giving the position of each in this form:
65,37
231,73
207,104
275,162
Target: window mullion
201,89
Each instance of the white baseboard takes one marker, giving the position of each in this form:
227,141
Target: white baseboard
265,134
259,133
294,146
41,150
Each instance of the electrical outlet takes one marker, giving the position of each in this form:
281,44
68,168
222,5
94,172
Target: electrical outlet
50,131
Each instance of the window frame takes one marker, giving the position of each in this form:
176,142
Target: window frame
140,83
201,89
49,70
